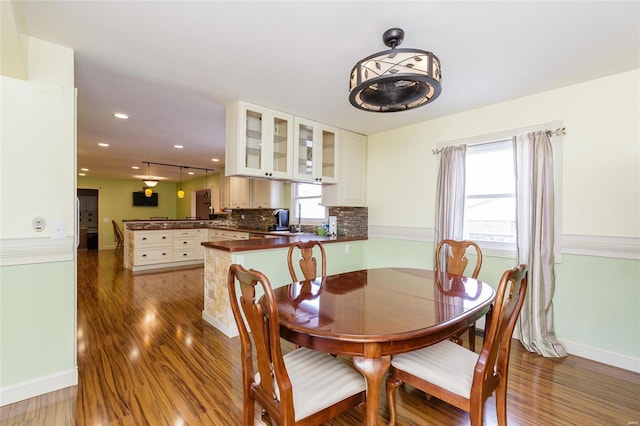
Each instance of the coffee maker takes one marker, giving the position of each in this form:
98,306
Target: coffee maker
282,220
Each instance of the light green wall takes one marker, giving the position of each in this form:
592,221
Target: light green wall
37,317
596,303
597,298
273,262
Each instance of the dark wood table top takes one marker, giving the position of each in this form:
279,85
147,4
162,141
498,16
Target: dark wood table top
385,304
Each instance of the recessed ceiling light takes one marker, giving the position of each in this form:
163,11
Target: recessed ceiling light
120,115
190,173
178,146
82,174
215,160
135,167
84,169
102,144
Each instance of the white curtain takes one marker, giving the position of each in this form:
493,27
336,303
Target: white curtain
535,237
450,195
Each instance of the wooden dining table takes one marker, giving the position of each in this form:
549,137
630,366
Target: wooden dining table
372,314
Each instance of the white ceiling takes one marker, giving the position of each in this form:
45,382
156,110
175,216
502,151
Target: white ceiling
174,65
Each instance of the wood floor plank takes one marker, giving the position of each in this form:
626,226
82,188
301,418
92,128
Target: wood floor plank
146,357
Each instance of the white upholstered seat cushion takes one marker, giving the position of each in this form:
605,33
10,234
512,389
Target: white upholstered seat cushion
445,364
319,380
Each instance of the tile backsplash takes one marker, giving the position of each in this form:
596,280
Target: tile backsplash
352,221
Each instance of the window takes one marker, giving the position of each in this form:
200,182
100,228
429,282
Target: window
307,199
490,194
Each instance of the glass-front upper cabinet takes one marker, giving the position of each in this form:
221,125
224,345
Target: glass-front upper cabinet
314,154
259,142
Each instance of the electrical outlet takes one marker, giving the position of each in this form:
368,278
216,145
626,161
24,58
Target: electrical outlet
240,260
347,248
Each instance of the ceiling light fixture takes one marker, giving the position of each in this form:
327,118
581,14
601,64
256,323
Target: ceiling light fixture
150,182
396,79
102,144
120,115
180,191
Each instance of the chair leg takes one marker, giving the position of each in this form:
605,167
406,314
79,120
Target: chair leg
472,337
501,403
248,406
476,414
392,385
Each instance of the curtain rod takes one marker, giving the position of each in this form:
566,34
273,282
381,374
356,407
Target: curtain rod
178,165
560,131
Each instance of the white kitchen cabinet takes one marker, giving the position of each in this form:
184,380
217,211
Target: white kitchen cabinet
203,236
266,194
235,192
258,142
246,193
315,152
351,189
151,247
185,245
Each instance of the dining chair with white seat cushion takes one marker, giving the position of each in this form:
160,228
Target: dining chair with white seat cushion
459,376
304,386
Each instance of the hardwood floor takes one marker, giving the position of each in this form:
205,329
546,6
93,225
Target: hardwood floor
146,357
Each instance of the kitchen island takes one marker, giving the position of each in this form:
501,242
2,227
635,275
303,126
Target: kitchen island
269,256
161,243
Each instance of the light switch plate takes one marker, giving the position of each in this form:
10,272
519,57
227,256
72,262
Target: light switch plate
58,230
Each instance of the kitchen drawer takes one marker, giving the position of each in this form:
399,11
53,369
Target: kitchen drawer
185,233
152,255
185,254
185,242
148,238
218,235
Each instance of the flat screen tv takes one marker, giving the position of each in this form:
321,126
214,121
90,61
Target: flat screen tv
141,200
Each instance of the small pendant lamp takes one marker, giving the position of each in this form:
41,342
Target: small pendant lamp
180,191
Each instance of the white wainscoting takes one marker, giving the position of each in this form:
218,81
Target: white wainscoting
585,245
25,251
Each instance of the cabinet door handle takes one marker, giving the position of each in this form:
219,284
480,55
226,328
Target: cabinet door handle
185,254
164,237
144,238
144,255
164,254
185,242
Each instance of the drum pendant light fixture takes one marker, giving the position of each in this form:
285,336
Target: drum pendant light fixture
396,79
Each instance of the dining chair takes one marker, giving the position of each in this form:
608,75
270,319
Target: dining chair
456,263
304,386
307,262
459,376
117,235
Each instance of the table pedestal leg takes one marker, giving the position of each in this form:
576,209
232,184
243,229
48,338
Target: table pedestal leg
373,370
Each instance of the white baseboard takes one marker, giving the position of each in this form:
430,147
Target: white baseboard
600,355
228,331
39,386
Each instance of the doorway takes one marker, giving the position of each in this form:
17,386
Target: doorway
88,219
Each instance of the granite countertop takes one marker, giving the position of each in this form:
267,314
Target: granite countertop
277,242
